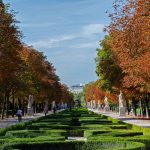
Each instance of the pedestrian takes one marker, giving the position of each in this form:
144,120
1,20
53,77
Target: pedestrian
19,114
45,110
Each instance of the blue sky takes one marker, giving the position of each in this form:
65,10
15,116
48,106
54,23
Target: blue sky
67,31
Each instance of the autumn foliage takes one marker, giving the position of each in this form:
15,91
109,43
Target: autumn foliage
24,70
93,91
123,61
130,42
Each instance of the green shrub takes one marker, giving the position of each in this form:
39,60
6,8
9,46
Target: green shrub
75,133
95,127
115,120
142,139
49,127
75,121
118,126
88,133
96,122
78,145
35,133
146,131
96,135
50,132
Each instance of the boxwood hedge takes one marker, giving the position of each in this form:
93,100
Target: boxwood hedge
52,131
77,145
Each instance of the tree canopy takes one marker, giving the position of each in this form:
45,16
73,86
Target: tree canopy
24,70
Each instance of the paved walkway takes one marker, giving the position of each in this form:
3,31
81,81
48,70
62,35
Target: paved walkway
12,121
143,122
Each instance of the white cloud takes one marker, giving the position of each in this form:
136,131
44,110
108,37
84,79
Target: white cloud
87,31
86,45
50,43
93,29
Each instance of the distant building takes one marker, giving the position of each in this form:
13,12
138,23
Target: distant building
77,88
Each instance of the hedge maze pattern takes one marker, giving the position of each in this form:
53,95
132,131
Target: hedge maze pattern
52,132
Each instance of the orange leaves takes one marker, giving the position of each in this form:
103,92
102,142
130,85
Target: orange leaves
113,98
24,70
41,77
66,96
10,46
93,92
130,42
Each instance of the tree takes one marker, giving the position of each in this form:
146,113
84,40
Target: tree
129,33
24,70
94,92
107,69
129,40
39,75
10,46
66,96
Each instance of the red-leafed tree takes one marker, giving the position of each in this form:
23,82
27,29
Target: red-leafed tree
130,43
129,40
10,46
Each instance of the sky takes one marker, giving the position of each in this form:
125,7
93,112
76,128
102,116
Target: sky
67,31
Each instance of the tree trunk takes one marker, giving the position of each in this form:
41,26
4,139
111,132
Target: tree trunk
134,105
127,105
146,107
19,103
141,108
3,107
35,108
7,105
13,105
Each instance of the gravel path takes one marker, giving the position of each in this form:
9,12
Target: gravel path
143,122
12,121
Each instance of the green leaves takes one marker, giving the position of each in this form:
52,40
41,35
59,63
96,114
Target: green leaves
106,68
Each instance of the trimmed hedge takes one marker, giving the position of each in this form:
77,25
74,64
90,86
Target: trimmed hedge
89,133
35,133
19,126
146,131
77,145
75,133
51,132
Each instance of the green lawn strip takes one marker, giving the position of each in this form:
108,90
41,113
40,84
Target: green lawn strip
146,131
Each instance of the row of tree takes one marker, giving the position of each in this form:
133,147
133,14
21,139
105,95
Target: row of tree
123,61
24,71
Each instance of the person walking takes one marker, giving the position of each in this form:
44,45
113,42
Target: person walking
45,110
19,114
